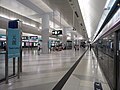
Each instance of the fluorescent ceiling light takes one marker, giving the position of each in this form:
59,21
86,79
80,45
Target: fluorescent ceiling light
29,34
4,16
13,18
68,38
85,9
106,5
33,25
52,38
109,3
107,8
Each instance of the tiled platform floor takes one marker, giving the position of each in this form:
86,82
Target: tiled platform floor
40,72
86,73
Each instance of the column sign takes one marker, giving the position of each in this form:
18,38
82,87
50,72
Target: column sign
14,39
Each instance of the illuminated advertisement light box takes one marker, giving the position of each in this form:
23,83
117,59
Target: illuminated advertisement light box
14,39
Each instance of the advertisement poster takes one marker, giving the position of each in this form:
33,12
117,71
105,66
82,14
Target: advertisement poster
14,39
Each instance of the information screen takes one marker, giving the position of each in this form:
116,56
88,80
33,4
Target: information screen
33,37
24,37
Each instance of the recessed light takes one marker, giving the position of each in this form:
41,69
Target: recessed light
118,4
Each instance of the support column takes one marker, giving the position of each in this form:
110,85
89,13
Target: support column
76,42
72,39
79,42
45,33
64,38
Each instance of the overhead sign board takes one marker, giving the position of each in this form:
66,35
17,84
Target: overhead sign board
25,38
34,37
57,32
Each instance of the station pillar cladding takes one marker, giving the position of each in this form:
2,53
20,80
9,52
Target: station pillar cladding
45,33
72,39
64,38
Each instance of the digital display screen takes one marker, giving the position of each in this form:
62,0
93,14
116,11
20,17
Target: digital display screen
27,44
22,43
53,44
24,37
57,32
34,44
30,44
33,37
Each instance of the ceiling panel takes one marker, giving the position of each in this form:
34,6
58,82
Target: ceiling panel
34,8
42,5
17,7
92,11
63,7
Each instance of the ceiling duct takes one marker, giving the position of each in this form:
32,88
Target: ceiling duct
81,24
76,14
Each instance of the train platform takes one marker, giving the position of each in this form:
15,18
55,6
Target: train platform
86,74
41,72
40,41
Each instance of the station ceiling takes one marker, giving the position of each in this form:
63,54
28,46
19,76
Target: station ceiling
85,18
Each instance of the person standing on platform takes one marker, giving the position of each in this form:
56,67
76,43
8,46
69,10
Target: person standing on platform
90,47
75,47
4,47
38,48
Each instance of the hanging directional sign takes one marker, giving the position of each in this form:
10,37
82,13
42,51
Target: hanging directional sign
14,39
56,32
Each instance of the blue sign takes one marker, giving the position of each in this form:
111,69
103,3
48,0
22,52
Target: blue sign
14,39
